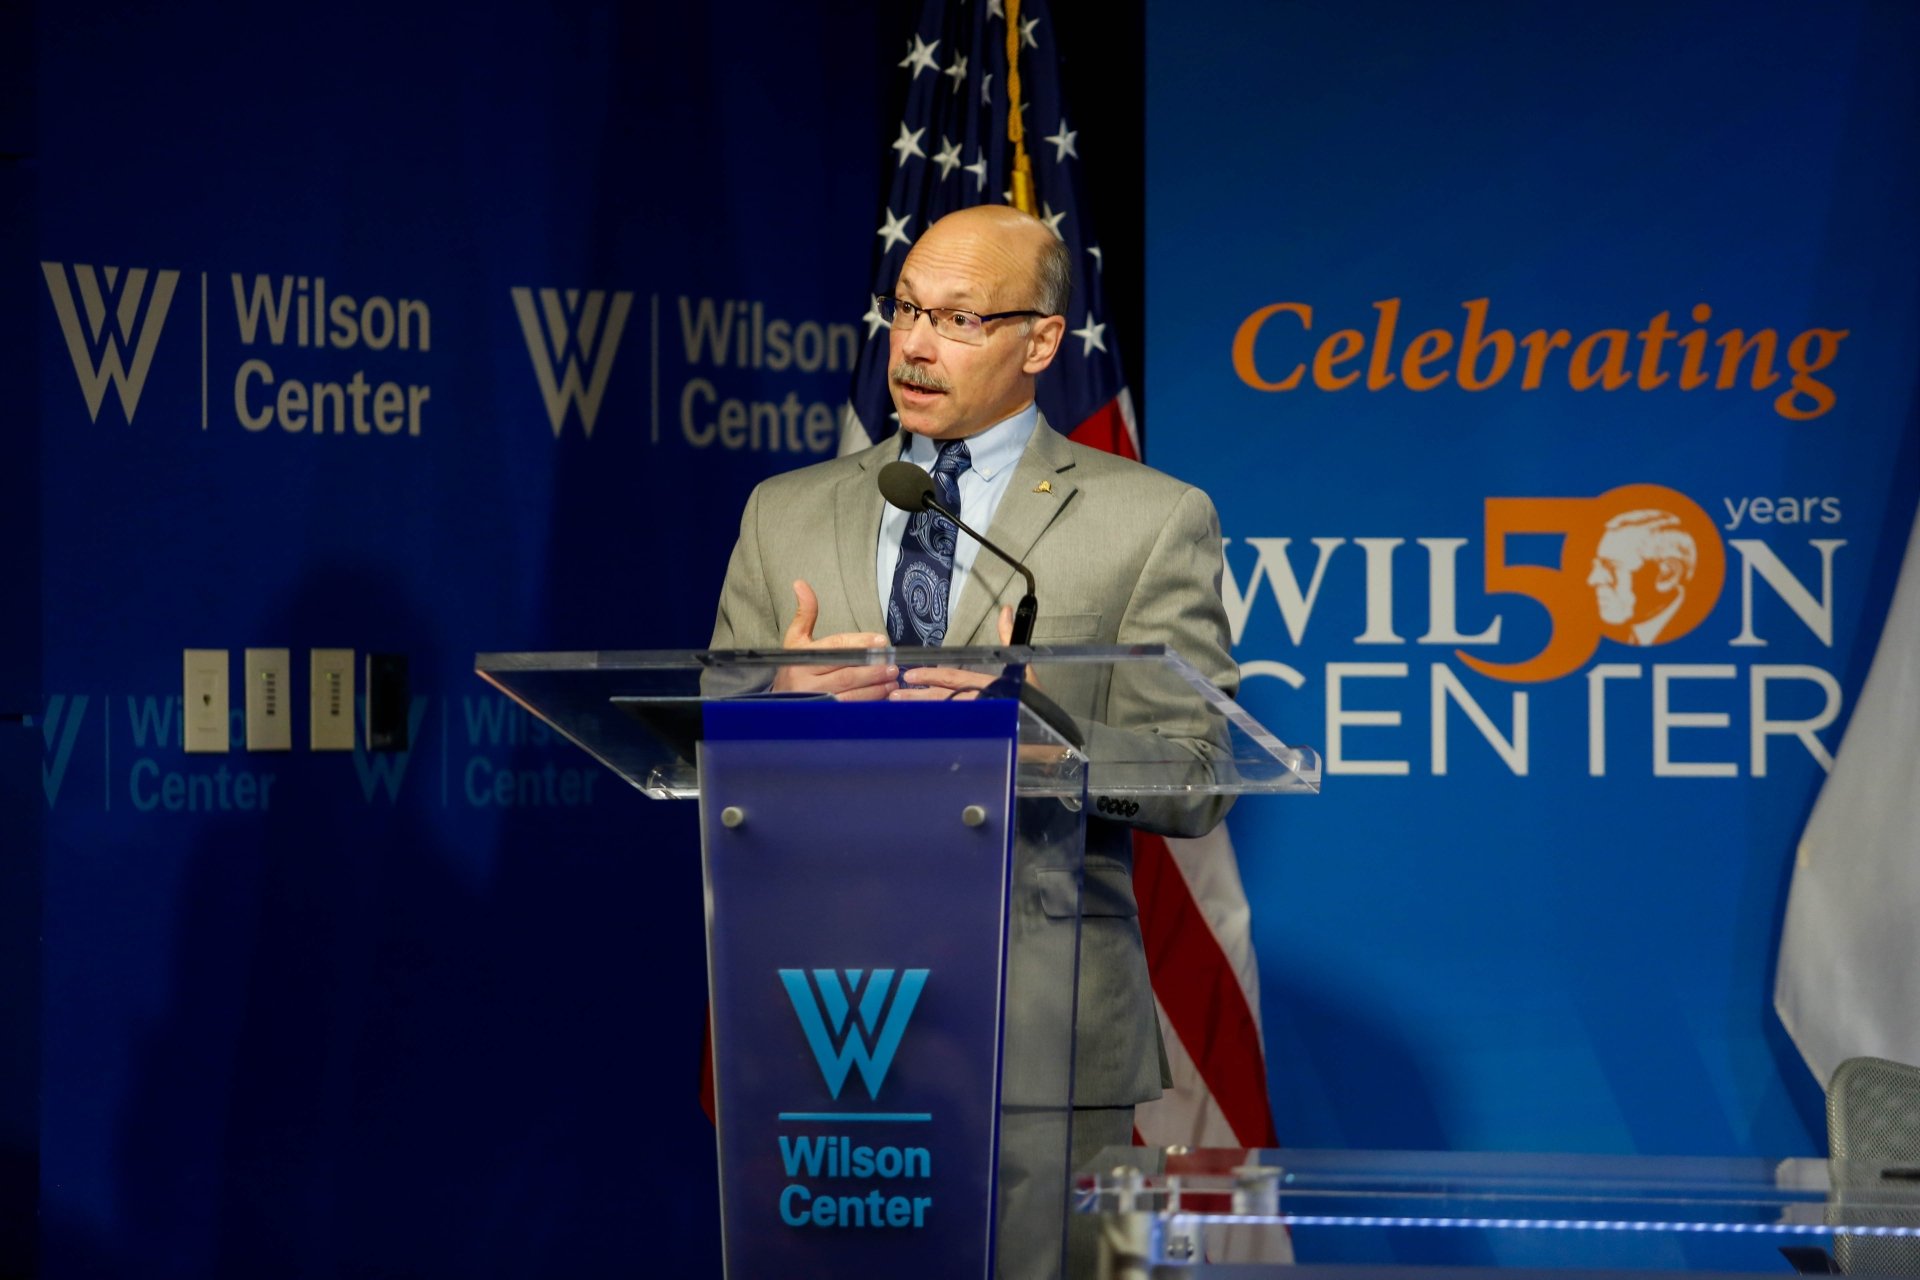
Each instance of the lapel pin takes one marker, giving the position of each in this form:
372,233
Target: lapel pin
1045,486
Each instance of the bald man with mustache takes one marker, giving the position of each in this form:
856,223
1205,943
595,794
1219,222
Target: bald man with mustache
1122,554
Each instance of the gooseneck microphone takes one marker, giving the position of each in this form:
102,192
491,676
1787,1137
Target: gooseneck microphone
911,489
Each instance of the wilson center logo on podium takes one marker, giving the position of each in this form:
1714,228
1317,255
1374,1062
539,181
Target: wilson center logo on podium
854,1021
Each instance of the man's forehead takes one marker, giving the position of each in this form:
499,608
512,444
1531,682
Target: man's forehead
965,266
951,288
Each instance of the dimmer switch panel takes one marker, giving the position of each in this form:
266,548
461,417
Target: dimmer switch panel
330,700
205,688
269,712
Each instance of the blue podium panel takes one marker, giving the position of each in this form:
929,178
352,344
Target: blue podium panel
858,868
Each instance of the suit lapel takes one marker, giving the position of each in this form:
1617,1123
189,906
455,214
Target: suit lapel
857,506
1023,515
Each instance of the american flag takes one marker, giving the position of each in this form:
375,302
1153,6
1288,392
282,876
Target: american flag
952,150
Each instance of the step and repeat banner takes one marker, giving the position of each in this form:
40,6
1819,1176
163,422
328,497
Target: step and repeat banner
419,330
1554,371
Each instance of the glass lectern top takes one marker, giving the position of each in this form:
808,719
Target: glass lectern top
1126,720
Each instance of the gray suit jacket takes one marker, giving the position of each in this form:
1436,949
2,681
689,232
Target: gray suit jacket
1122,555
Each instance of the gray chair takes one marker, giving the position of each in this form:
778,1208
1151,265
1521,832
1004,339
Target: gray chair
1873,1126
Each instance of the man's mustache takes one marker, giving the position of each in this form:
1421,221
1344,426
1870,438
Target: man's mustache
908,374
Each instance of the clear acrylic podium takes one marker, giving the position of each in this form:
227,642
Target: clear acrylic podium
893,893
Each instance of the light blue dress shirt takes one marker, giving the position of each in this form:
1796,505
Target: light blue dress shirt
995,452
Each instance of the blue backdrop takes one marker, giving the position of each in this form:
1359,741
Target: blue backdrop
438,1012
302,1014
1538,908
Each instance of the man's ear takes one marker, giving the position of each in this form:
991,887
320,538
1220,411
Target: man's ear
1671,577
1043,343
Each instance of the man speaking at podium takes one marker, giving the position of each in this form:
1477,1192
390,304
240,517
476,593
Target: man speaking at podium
1121,554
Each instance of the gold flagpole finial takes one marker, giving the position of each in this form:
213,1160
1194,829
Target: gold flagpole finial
1023,198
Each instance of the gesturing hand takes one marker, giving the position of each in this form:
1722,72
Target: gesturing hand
938,684
857,683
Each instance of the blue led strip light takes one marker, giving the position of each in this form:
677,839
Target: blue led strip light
1548,1224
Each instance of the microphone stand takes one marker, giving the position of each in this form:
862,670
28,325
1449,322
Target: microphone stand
1028,609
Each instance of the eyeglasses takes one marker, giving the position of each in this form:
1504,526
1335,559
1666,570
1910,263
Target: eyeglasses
969,327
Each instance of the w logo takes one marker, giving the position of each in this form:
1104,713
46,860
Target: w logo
123,317
58,729
824,1008
571,330
386,769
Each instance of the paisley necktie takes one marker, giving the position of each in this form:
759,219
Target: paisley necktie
917,606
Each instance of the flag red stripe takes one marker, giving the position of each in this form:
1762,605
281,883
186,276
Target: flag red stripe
1200,993
1106,429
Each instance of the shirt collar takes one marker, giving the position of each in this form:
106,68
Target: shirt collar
994,449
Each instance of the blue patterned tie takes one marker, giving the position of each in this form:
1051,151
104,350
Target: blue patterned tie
917,606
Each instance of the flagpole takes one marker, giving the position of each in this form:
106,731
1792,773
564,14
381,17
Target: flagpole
1016,134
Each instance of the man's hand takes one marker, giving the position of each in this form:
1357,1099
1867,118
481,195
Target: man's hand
939,684
849,683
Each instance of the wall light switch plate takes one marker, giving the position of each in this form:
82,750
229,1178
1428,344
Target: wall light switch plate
330,700
205,688
269,712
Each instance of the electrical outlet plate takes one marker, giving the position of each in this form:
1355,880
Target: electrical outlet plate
206,727
330,700
269,713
